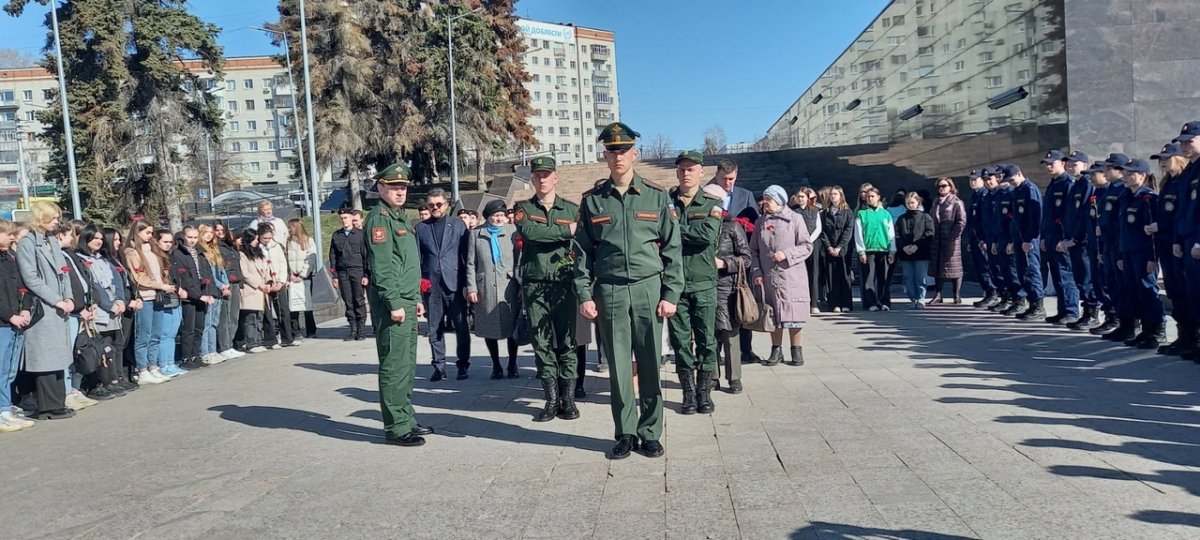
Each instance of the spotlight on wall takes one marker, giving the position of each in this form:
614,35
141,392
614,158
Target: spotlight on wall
818,99
793,120
853,104
909,113
1008,98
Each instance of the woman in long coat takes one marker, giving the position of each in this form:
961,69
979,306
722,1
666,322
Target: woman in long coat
492,285
780,246
949,222
48,341
733,258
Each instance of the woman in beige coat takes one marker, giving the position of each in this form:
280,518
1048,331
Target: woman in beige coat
255,274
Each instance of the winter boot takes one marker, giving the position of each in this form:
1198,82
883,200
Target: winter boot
775,358
566,400
797,357
1005,303
993,300
1036,312
1124,330
1156,335
1180,344
1019,307
1110,324
550,389
704,404
687,382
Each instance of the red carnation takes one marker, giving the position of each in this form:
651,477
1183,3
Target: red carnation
746,224
120,269
233,279
205,281
23,291
1092,199
771,228
181,270
425,285
520,242
65,269
87,263
724,214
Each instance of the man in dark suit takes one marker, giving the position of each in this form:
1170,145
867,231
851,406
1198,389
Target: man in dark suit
348,260
740,203
442,242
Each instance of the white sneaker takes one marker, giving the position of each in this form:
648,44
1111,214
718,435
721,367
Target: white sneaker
297,341
212,359
10,423
873,308
276,347
146,376
17,411
232,353
837,310
886,308
816,311
77,401
258,349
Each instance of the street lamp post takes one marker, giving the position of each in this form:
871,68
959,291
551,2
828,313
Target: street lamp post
287,52
453,110
66,113
312,146
212,193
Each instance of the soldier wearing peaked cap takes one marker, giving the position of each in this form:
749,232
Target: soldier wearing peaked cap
629,276
693,328
1054,211
395,298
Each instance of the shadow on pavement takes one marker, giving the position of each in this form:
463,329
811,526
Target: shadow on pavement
820,529
455,425
1063,378
297,420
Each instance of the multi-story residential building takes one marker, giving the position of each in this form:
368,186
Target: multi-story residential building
573,91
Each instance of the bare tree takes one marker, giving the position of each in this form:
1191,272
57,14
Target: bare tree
714,140
659,147
15,58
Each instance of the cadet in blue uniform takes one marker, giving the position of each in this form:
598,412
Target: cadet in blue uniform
1089,220
1005,267
1108,203
1054,231
977,238
1187,227
1077,228
1139,261
1025,235
1171,191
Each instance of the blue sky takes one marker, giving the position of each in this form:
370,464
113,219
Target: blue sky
682,65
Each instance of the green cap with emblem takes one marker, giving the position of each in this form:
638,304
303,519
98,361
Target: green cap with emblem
542,163
618,136
396,174
690,155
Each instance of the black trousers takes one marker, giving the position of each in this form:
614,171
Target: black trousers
115,369
191,329
876,286
351,289
839,273
250,329
310,324
51,392
450,305
275,319
814,265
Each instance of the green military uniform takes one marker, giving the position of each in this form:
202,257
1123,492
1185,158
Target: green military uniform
629,251
395,284
548,289
695,320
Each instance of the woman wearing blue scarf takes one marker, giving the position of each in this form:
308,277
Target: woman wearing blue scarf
492,286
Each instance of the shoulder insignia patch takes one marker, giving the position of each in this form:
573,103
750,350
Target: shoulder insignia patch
563,221
401,232
717,212
537,218
520,215
649,216
601,219
378,235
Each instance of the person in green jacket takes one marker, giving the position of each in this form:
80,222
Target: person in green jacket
875,241
394,294
694,324
629,277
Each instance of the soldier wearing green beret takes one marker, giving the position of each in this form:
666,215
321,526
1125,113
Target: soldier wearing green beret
694,324
546,227
628,277
395,298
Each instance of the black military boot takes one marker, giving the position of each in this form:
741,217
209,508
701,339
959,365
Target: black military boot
1036,311
797,357
1123,331
993,300
550,389
983,303
1087,317
775,358
1156,335
1139,337
1191,349
353,332
1175,347
1018,307
1110,324
687,382
361,334
566,401
1056,318
704,404
1005,303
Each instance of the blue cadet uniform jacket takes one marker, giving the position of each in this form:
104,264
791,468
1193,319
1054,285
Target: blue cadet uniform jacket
1187,218
977,217
1079,223
1057,201
1027,204
1137,211
1109,203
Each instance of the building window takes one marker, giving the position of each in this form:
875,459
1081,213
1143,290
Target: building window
268,104
234,126
564,131
564,147
959,66
986,56
895,40
271,145
231,85
1023,75
995,81
237,167
233,107
562,97
537,95
274,165
248,84
537,78
268,82
899,59
572,64
251,125
28,95
249,104
270,125
235,147
574,82
589,132
575,116
30,116
255,167
961,43
253,146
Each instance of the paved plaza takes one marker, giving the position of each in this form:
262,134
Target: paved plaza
946,423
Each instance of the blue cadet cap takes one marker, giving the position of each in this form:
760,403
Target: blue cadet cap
1052,156
1009,171
1190,131
974,174
1136,165
1096,167
1116,160
1076,155
990,170
1168,151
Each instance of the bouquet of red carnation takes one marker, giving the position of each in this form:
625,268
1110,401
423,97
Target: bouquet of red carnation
746,224
425,285
520,242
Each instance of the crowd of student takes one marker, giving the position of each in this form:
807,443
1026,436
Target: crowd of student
88,314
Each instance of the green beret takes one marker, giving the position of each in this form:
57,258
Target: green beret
542,163
618,136
690,155
396,174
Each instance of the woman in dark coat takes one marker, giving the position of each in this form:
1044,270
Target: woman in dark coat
949,221
914,235
733,257
806,205
837,227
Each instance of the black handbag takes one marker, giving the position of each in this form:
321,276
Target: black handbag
91,351
166,300
521,332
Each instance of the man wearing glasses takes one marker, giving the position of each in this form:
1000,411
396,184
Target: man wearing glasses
629,276
442,243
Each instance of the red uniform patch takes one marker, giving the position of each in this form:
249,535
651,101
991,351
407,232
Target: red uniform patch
378,235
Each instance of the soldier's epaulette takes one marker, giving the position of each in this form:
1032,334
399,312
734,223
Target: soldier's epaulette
587,193
654,185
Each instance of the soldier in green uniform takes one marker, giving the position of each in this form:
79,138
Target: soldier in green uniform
395,298
546,228
695,321
629,253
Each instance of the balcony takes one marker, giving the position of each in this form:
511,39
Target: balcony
283,90
604,118
560,51
600,52
600,81
9,104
